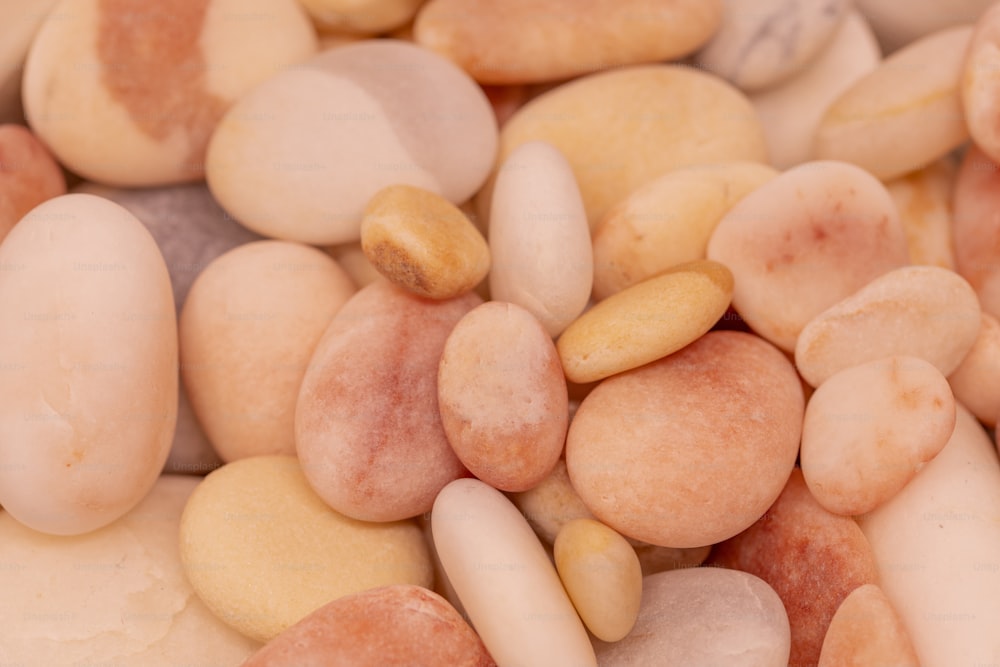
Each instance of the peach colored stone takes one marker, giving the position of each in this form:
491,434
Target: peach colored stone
391,626
980,84
691,449
668,222
919,311
976,227
524,41
351,258
899,24
20,21
502,396
805,240
813,559
646,321
28,175
869,428
903,115
366,17
367,426
423,243
974,381
867,631
924,200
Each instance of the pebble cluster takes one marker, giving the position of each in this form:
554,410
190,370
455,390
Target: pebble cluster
537,333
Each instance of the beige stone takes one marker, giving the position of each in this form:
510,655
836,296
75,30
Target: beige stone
805,240
976,226
19,22
924,200
351,257
367,17
668,222
602,576
920,311
646,321
28,175
905,114
263,551
867,631
869,428
974,381
423,243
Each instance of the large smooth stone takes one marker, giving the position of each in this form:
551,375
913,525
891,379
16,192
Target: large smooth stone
621,129
527,41
976,227
867,631
869,428
903,115
539,237
300,156
936,543
763,42
919,311
704,616
88,394
115,596
256,312
367,426
129,95
924,199
813,559
974,381
691,449
505,580
390,626
805,240
263,551
28,175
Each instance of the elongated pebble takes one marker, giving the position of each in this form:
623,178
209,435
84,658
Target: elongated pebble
505,580
974,381
920,311
692,449
646,321
924,199
976,226
388,626
367,426
88,396
805,240
980,86
903,115
263,551
28,175
867,631
869,428
704,616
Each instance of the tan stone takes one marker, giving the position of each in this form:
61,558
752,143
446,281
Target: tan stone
646,322
366,17
28,175
924,200
976,226
975,380
867,631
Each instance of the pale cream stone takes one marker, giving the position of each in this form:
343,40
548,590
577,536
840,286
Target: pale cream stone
505,580
920,311
668,222
867,631
367,17
924,200
975,380
903,115
263,551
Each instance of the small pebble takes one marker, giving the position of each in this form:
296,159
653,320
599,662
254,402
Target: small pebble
974,381
866,631
28,175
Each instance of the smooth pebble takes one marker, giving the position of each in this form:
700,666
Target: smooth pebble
976,227
974,382
365,17
980,87
867,631
924,199
29,175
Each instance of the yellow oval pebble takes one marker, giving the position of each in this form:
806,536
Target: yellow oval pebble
646,322
423,243
601,573
263,551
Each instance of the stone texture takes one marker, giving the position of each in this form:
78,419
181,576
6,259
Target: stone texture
28,175
976,227
924,200
866,631
368,17
974,381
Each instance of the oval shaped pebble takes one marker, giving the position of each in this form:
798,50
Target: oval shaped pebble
974,381
691,449
980,88
924,200
905,114
621,129
28,175
88,396
505,580
869,428
390,626
502,396
867,631
976,227
762,42
539,237
704,616
805,240
602,576
526,41
920,311
300,156
813,559
368,17
423,243
668,222
367,426
646,321
115,596
257,311
263,551
791,111
130,96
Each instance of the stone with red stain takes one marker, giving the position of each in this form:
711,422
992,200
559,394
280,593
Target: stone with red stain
813,559
28,175
976,227
367,426
867,631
